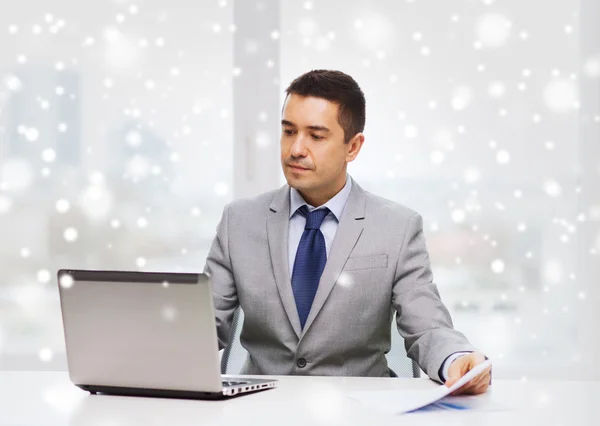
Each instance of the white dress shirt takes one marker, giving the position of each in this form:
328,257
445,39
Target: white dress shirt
329,228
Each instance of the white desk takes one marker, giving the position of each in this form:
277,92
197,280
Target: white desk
49,398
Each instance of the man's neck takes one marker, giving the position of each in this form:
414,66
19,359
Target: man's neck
320,197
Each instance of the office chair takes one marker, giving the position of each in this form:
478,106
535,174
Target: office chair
235,355
398,362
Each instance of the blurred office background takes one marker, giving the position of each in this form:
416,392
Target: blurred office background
127,125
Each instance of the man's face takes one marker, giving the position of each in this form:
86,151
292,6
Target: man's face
313,152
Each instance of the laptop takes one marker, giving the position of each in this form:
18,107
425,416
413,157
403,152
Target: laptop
145,334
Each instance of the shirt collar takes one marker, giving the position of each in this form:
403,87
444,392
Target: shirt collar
335,205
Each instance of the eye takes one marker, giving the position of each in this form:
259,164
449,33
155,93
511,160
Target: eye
288,132
317,137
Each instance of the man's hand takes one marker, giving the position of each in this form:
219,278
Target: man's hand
461,366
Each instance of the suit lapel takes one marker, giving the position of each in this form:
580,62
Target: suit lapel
277,232
349,230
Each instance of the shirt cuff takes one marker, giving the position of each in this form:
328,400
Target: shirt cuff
447,362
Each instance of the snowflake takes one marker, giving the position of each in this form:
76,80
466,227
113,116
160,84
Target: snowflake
43,276
221,189
13,83
493,30
169,313
497,90
458,216
133,138
503,157
48,155
263,140
411,131
62,205
32,134
16,174
345,280
45,355
70,234
461,98
66,281
552,188
552,271
111,35
5,204
437,157
561,95
591,66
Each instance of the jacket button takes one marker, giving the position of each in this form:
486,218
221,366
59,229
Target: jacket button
301,363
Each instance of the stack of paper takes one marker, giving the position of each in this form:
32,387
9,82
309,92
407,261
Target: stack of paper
405,400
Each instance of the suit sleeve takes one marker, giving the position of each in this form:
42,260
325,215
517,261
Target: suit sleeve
422,319
218,266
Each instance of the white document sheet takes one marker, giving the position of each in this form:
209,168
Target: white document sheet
405,400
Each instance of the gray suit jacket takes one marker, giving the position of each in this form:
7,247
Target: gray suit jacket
378,262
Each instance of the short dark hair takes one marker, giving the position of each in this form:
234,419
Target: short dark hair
339,88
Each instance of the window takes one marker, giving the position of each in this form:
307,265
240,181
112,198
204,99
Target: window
473,120
116,149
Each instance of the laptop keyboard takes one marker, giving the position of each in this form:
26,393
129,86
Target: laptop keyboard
231,383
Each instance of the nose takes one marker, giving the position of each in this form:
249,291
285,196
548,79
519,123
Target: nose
298,148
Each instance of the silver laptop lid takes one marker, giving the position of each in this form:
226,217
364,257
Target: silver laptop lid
140,330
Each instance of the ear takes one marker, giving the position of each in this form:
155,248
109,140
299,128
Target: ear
354,146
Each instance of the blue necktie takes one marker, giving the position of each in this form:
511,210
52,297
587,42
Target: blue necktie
310,261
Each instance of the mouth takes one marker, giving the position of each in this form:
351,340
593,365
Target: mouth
297,168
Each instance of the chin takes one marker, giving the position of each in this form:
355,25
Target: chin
297,183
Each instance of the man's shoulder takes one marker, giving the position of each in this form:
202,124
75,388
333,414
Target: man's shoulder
256,203
385,208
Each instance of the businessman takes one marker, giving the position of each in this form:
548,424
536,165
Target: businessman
320,265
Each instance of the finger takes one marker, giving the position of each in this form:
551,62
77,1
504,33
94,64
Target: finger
478,389
480,380
483,376
483,387
474,390
476,379
465,389
462,390
457,369
477,385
